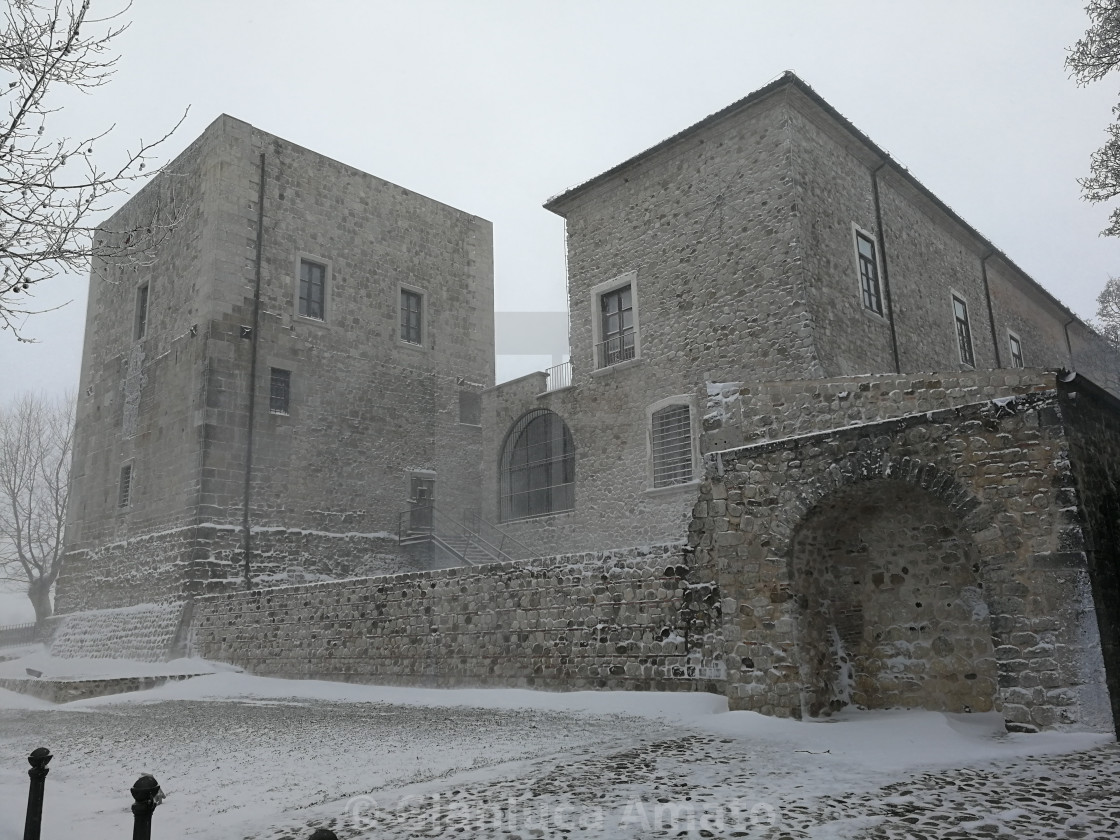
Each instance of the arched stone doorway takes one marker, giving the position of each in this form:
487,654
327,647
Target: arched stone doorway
891,606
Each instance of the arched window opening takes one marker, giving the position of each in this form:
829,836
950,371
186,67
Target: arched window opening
538,467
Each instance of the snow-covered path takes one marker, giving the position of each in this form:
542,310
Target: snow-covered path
265,759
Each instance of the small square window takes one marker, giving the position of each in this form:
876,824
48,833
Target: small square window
964,333
411,315
279,391
470,408
870,293
312,289
1016,350
124,490
141,326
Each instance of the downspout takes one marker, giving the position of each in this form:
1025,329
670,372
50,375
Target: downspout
247,545
883,255
1069,344
991,313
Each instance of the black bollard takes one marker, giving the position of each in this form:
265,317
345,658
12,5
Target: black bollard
39,759
147,794
323,834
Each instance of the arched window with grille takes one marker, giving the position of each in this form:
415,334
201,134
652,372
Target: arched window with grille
538,467
670,443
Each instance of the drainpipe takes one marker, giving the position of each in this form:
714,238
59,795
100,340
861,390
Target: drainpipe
988,298
883,254
247,544
1069,345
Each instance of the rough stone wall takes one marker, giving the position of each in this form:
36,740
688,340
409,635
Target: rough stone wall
1093,426
636,620
740,413
999,469
144,632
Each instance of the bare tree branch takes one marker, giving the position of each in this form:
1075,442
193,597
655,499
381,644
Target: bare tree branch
36,435
52,189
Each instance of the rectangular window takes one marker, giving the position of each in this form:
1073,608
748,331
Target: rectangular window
279,391
616,343
470,408
410,316
312,289
671,446
124,491
868,274
1016,350
964,334
141,311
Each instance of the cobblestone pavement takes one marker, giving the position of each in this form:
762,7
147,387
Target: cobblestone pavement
652,791
275,769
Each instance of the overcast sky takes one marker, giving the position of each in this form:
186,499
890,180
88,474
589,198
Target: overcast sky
493,106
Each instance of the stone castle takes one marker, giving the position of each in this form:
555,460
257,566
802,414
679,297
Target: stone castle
820,443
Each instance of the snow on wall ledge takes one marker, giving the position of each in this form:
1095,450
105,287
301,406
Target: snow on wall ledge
145,632
631,618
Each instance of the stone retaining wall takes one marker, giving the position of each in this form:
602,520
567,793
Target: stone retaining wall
145,633
635,619
66,691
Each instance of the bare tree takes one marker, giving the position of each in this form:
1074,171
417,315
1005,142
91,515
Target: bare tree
51,187
1108,311
35,440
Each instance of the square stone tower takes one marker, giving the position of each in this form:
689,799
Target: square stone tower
297,364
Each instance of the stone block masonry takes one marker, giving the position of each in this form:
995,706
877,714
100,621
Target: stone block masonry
633,619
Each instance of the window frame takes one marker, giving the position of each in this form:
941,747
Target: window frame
142,307
272,396
328,283
556,493
598,292
402,290
684,401
1013,341
859,233
956,297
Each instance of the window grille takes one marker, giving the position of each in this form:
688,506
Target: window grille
124,492
538,467
671,445
279,391
869,274
312,289
964,334
410,317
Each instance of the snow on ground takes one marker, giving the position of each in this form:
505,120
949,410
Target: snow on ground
268,759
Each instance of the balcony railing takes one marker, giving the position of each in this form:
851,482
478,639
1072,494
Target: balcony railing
617,349
559,376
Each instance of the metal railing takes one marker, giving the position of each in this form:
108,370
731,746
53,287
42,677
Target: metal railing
427,522
17,634
559,376
620,348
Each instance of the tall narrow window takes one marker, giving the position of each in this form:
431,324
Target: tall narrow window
279,391
1016,350
868,274
312,289
671,445
617,336
538,467
470,408
124,490
964,333
141,311
411,314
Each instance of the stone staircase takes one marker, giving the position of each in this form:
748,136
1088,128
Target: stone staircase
470,543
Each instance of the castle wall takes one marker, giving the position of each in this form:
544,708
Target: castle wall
634,620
